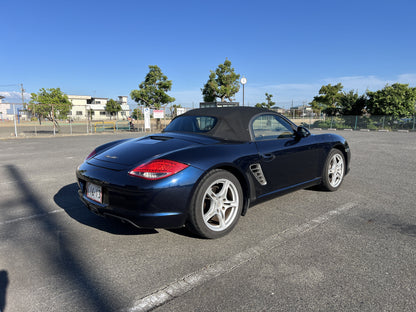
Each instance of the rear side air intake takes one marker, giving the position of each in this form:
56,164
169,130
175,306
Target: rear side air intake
258,173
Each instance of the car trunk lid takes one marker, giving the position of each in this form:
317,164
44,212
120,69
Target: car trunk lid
132,152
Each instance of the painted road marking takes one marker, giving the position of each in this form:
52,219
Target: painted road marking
31,217
187,283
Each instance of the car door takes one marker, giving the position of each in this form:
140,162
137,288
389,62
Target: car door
286,159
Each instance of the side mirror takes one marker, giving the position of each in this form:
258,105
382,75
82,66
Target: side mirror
302,132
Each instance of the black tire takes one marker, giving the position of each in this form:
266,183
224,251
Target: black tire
216,205
334,170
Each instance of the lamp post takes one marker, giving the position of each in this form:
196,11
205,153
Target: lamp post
88,108
243,82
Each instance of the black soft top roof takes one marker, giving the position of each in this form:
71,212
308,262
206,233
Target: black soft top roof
232,122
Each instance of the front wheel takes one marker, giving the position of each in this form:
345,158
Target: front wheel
216,205
334,170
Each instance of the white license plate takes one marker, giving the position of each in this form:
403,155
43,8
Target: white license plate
94,192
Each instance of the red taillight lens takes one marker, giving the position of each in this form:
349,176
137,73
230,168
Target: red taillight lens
91,155
157,169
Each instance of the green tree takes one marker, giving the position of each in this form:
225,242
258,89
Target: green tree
269,103
152,91
328,99
222,84
51,104
137,114
112,107
352,104
173,109
397,100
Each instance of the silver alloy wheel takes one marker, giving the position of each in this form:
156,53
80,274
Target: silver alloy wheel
220,205
336,170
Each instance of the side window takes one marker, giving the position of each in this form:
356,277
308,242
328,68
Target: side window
205,123
192,124
270,127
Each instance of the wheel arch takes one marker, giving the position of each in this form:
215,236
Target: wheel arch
245,185
195,221
343,149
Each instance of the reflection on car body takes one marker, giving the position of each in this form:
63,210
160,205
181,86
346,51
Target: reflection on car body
207,167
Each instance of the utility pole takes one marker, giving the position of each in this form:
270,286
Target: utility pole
23,99
23,96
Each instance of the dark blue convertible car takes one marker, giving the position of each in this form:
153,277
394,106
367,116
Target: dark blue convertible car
207,167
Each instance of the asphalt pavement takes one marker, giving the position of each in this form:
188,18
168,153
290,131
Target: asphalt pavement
351,250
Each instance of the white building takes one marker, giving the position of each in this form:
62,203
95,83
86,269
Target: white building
84,106
4,107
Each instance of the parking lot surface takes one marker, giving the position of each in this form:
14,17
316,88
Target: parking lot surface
352,250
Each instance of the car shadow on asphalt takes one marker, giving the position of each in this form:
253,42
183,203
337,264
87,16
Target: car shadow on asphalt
67,199
183,231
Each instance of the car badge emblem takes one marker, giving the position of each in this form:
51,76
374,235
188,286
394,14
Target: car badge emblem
112,157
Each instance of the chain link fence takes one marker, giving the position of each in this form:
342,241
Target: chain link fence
9,129
369,123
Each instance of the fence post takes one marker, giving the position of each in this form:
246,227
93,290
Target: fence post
356,121
14,119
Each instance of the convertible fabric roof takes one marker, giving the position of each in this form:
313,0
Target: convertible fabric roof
232,122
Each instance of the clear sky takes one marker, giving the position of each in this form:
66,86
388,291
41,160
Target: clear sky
286,48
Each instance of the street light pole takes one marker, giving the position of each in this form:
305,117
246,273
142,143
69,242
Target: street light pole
243,82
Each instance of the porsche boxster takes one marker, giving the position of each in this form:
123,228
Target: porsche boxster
207,167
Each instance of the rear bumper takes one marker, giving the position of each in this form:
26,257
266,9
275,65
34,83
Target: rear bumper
145,204
169,219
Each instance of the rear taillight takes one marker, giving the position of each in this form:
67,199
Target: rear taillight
157,169
91,155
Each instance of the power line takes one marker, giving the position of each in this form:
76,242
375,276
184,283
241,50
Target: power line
9,85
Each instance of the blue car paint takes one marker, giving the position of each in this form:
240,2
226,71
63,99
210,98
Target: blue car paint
165,203
148,204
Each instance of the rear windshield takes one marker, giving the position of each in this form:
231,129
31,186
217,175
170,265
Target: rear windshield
198,124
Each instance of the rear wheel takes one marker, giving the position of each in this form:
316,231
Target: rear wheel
334,170
216,205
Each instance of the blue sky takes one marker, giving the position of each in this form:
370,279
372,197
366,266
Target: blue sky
286,48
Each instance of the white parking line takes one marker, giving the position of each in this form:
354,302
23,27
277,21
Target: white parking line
186,283
37,179
30,217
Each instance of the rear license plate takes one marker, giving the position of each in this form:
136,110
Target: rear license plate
94,192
